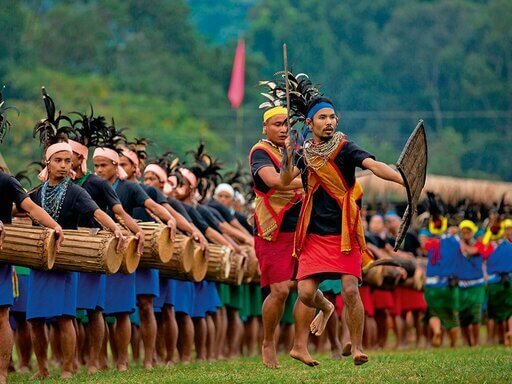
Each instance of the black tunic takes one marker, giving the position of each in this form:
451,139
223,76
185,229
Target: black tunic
11,192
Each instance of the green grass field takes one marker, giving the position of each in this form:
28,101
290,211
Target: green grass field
462,365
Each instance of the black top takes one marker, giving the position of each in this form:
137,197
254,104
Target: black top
76,202
197,219
104,196
140,213
130,194
212,220
375,240
178,206
260,159
11,192
326,213
243,220
222,209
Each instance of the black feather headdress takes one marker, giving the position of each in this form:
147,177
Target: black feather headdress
206,169
4,123
238,179
139,147
303,95
89,129
49,129
112,138
170,163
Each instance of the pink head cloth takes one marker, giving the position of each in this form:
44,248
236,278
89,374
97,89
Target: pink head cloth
132,156
50,151
187,174
111,155
162,176
82,150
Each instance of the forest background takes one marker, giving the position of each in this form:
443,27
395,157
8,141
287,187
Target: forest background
162,69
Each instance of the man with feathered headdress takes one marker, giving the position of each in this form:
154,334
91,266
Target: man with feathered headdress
121,288
11,192
53,294
88,131
276,212
329,240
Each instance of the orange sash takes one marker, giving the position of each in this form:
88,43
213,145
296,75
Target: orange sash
270,207
330,178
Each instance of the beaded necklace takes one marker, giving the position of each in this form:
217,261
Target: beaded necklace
316,155
52,197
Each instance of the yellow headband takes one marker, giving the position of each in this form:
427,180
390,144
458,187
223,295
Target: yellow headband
469,225
274,112
507,223
438,231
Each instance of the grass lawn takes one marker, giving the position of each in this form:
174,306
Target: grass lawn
462,365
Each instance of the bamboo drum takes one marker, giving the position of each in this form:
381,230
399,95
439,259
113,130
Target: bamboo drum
200,265
219,264
238,265
182,260
158,247
88,251
252,263
29,246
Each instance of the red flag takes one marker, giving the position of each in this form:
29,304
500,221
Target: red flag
236,86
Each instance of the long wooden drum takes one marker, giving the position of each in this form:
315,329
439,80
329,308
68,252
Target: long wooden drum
131,259
374,277
88,251
238,265
158,247
28,246
182,260
200,265
219,263
252,263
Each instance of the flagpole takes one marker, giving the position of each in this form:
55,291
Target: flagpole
238,132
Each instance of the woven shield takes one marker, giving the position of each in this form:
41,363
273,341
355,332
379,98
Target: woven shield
412,165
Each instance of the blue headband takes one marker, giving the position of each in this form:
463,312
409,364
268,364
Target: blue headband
317,107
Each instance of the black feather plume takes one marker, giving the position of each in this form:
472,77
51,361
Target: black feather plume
112,138
206,169
49,129
88,129
4,123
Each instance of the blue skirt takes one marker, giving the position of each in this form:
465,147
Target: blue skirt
165,297
184,296
6,288
20,303
213,297
120,296
92,289
201,299
51,294
146,282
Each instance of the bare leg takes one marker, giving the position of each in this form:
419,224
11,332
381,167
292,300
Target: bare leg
221,327
147,328
252,330
68,346
22,341
6,343
454,333
40,343
490,331
435,324
272,309
313,298
355,317
346,342
54,338
303,316
381,318
96,331
210,338
467,335
333,332
185,336
135,343
122,336
103,360
475,333
171,331
200,335
235,330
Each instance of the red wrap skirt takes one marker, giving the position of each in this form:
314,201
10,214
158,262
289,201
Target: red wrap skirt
322,256
275,258
412,300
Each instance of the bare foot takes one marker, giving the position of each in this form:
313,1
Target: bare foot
148,365
269,356
437,339
66,375
304,357
508,339
40,375
92,369
3,379
347,349
320,321
122,367
24,369
336,354
359,357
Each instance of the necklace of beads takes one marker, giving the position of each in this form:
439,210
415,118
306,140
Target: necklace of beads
52,197
317,155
